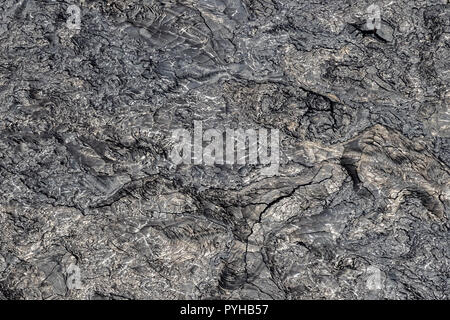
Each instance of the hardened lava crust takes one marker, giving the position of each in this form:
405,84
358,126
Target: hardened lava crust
92,205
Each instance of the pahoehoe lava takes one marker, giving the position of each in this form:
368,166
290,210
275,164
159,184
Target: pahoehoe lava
93,207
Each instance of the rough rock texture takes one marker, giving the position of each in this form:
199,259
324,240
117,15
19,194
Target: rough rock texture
86,119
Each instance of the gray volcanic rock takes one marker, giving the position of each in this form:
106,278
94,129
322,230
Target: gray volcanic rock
93,207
